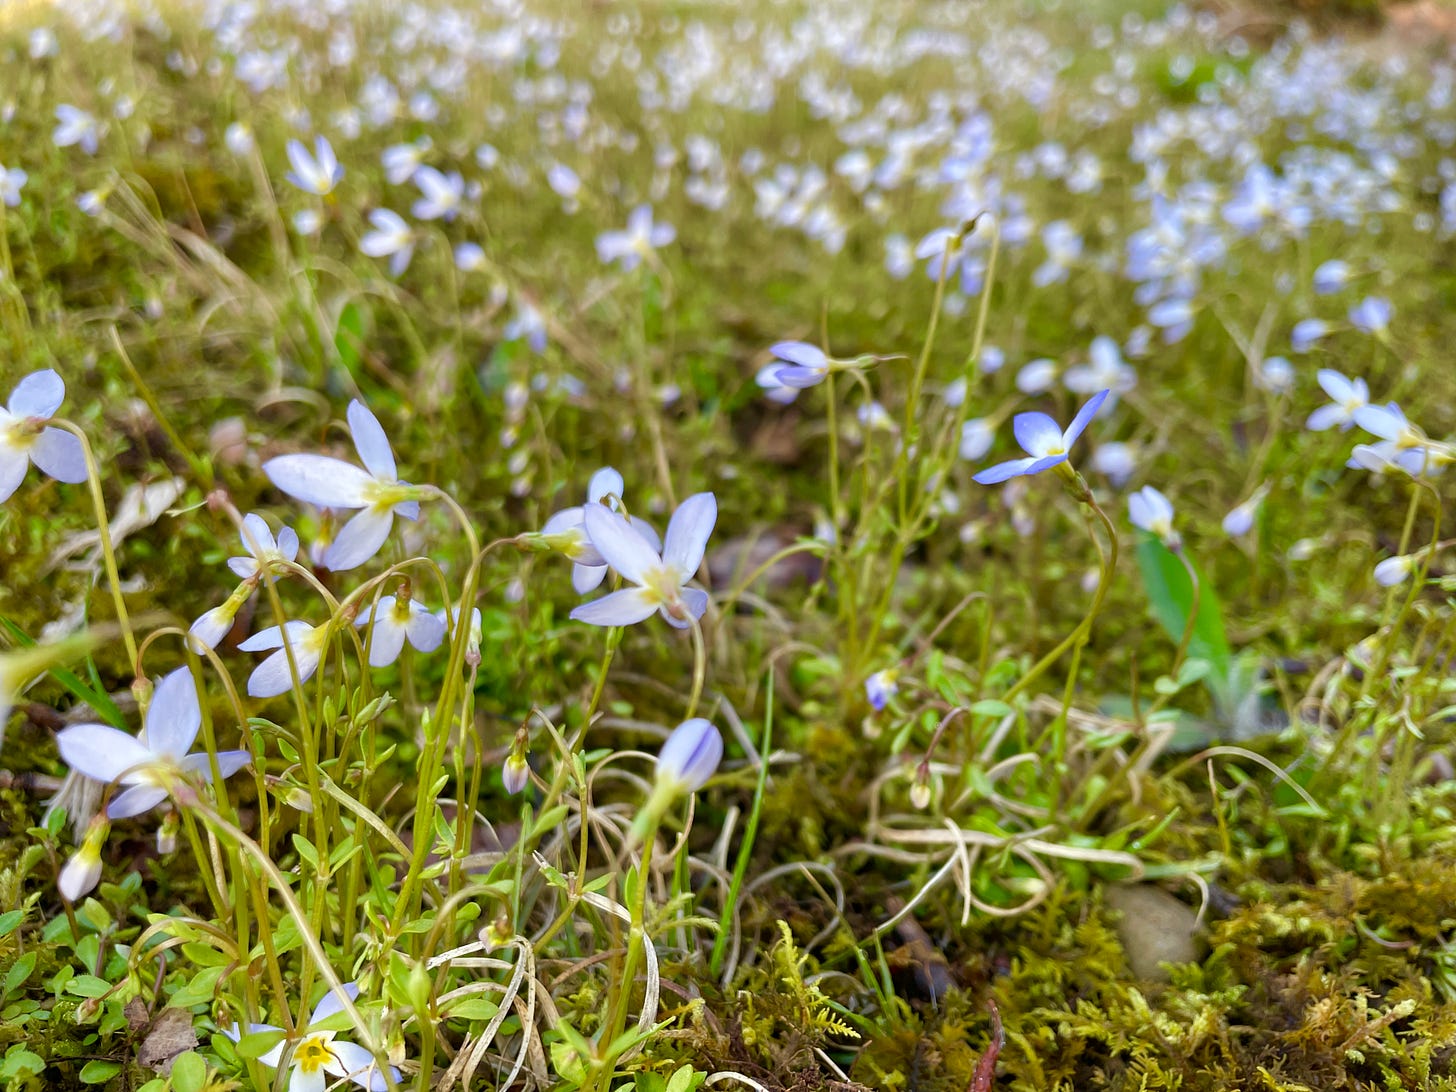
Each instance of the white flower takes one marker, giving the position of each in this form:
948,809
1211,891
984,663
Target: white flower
441,194
977,436
333,483
76,127
659,582
239,139
641,238
402,160
308,221
82,871
25,439
565,532
391,237
1105,369
1347,396
11,182
1150,511
316,1053
399,620
263,550
317,174
149,769
274,676
1394,570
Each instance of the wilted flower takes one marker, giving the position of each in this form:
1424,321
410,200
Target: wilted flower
26,439
690,756
314,1052
660,582
149,769
1044,442
400,620
333,483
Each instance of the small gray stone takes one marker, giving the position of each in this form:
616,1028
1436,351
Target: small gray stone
1155,928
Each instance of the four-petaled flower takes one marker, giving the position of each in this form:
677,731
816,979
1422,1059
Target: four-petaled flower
264,552
317,174
333,483
1152,512
390,237
1045,444
150,768
1347,397
398,620
317,1052
641,238
659,581
565,532
25,438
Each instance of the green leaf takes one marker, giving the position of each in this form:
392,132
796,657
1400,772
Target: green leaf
189,1072
258,1043
306,851
88,985
19,971
99,1071
1171,594
9,920
20,1062
349,336
474,1008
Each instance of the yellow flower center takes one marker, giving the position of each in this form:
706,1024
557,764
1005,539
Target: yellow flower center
312,1054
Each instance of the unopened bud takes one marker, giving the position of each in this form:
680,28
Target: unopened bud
83,871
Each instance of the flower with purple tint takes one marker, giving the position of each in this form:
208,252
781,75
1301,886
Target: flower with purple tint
1331,276
1306,332
881,687
565,532
659,582
25,437
1044,442
1372,315
1152,512
690,756
641,238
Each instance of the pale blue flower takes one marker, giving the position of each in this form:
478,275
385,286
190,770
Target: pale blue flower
690,756
1306,332
659,583
25,438
1045,444
1331,276
881,687
150,768
389,237
642,238
317,174
1372,315
1347,396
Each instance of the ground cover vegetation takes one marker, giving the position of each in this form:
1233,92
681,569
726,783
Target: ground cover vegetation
772,546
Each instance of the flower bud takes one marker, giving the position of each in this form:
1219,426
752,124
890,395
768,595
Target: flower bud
690,756
83,871
167,834
515,773
1394,570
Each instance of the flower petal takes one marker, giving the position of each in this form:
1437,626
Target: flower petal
1037,434
798,378
101,752
622,608
272,637
174,715
273,676
801,353
299,1081
687,533
386,641
620,546
320,480
1012,468
39,394
424,630
587,578
696,601
371,442
604,482
1083,419
134,801
228,763
256,536
60,455
13,464
332,1002
359,540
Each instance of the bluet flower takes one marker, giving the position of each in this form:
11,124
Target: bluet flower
333,483
1347,396
659,582
274,676
1150,511
318,173
148,768
641,238
881,687
25,438
315,1052
1394,570
1045,444
690,756
389,236
440,194
400,620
